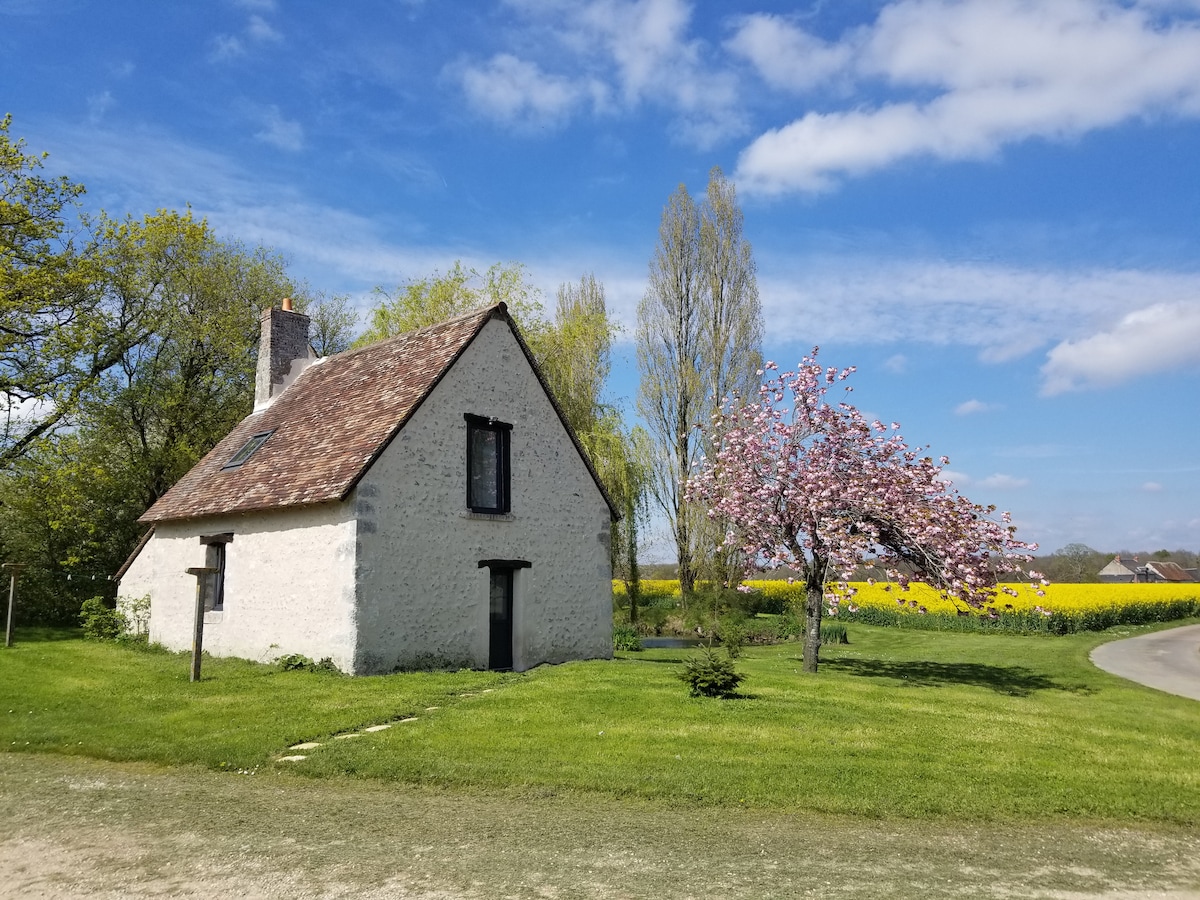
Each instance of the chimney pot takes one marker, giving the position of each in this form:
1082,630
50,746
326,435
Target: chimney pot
287,304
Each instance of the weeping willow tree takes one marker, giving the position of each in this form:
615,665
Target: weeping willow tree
574,352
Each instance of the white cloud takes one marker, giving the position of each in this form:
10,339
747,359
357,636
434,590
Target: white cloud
1157,338
958,479
1152,487
226,47
1001,482
997,482
897,364
23,412
971,77
99,104
971,406
258,29
511,90
349,252
1004,311
280,132
605,56
785,55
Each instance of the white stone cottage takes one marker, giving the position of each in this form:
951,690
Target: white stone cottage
417,503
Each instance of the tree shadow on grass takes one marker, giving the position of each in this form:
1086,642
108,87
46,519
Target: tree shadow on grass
40,634
1017,681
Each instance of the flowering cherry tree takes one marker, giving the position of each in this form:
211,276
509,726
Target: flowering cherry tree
810,485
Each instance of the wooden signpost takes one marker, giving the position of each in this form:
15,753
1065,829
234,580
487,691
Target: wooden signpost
201,573
15,570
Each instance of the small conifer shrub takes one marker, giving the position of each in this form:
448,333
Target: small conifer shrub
711,674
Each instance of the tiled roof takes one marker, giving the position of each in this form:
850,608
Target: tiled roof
327,427
331,423
1169,571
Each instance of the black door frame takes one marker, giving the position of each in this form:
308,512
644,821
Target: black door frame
500,628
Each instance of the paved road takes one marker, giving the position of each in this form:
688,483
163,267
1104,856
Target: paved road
1167,660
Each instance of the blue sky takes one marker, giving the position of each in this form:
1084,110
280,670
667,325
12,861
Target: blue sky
991,207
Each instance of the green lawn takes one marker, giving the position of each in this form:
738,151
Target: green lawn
898,724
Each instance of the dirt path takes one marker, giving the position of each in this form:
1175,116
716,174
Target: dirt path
1166,660
80,828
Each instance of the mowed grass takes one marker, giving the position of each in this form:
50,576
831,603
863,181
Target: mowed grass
898,724
63,694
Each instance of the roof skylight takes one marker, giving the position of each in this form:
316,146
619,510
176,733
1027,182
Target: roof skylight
248,449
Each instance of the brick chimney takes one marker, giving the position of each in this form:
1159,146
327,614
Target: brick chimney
283,344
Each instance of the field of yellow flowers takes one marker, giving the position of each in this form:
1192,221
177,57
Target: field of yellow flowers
1057,608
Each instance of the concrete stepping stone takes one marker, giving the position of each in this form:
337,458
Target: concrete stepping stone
307,745
373,728
409,719
296,758
346,737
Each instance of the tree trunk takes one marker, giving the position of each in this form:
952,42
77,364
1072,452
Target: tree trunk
813,605
633,586
687,568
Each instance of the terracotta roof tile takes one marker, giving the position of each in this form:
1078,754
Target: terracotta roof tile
326,428
1169,571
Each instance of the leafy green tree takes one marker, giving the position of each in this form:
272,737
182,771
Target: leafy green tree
1076,563
69,505
435,298
332,321
57,332
66,513
634,503
575,352
699,335
178,391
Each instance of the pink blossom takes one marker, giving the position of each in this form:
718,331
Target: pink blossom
813,486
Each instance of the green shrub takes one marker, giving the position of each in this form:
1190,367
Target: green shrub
651,619
834,633
298,662
710,675
137,613
626,637
733,634
294,662
100,622
789,626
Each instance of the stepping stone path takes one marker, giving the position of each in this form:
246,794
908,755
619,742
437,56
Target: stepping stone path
370,729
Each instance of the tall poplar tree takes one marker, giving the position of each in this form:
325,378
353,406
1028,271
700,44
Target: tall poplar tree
699,337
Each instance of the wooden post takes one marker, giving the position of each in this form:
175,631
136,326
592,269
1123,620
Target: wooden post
201,572
15,569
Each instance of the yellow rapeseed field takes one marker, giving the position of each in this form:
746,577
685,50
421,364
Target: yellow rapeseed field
1054,598
1066,607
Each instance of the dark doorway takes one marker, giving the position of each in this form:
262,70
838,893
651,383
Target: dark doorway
500,655
500,610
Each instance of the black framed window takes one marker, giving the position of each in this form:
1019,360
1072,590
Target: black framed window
214,558
487,465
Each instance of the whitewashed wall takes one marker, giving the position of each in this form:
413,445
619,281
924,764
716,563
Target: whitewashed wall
423,600
289,584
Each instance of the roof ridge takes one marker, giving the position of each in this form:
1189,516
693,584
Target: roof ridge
480,311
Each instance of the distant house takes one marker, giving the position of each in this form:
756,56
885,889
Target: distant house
1131,571
417,503
1119,571
1167,571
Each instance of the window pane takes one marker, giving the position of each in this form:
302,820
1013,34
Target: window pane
485,469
